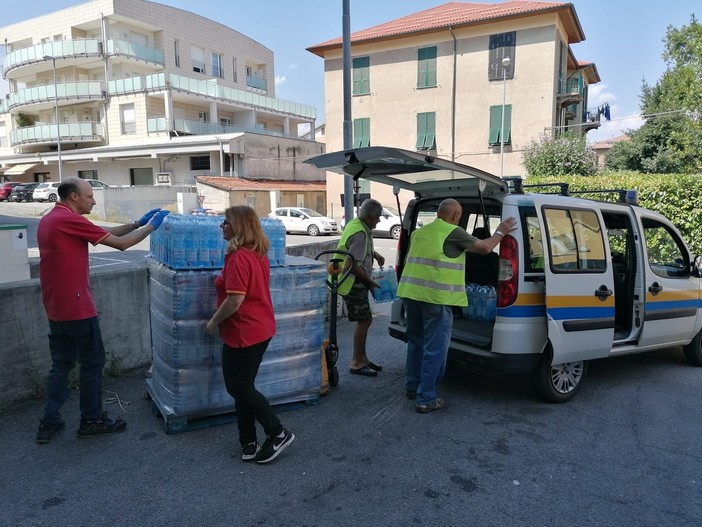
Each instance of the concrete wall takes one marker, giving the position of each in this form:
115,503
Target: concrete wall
122,298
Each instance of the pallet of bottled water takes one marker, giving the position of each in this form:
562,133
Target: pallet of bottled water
187,241
482,302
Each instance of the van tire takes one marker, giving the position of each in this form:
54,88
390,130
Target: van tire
545,378
693,351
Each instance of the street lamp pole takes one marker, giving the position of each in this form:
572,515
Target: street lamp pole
58,124
505,65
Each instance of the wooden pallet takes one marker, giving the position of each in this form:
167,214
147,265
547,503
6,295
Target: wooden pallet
176,423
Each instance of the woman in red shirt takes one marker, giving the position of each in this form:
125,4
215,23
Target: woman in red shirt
246,324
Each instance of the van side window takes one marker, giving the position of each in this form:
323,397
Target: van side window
534,261
666,258
575,239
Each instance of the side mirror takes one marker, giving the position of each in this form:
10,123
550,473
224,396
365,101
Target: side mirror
696,270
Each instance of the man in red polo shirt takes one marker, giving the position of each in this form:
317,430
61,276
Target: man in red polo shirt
63,236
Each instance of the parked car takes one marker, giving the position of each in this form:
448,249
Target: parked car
97,185
577,280
6,189
23,192
46,191
298,219
390,224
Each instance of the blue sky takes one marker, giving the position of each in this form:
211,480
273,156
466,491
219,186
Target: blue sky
623,38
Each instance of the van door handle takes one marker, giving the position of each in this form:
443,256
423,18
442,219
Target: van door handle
603,292
655,288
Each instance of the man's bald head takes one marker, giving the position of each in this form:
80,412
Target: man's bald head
71,184
450,211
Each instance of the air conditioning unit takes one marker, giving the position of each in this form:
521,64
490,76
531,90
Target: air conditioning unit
163,179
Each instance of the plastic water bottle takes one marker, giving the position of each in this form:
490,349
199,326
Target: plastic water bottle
176,242
275,232
491,304
480,303
203,251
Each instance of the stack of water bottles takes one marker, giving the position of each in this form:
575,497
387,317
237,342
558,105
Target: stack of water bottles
186,376
482,302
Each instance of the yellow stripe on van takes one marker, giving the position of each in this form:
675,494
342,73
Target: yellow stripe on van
579,301
667,296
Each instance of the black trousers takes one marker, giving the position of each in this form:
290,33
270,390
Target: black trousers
240,366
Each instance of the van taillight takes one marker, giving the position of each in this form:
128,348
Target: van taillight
508,279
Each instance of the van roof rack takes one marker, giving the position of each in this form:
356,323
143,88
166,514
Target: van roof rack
516,185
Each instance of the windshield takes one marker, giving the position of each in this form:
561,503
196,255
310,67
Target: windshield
311,212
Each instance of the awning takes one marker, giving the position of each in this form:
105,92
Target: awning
18,170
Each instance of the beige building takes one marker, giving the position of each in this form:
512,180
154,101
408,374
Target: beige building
144,94
437,81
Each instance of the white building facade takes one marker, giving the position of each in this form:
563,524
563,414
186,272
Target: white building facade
133,92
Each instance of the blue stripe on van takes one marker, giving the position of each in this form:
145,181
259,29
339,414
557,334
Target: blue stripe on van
522,311
579,313
672,304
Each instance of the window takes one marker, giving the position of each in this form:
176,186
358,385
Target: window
234,78
426,67
198,59
361,132
225,121
575,240
496,125
199,162
203,117
128,118
88,174
426,131
666,256
501,46
3,135
281,212
176,51
361,76
534,263
217,65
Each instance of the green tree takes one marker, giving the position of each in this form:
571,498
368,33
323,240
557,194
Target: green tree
567,154
671,138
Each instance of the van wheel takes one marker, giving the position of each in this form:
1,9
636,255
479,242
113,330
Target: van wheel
558,383
693,351
395,232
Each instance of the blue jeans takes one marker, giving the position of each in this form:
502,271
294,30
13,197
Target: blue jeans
428,335
71,342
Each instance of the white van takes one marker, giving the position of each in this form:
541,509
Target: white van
577,280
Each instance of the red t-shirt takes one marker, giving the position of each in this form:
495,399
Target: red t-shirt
246,273
64,273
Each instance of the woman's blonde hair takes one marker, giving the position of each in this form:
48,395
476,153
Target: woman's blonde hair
246,229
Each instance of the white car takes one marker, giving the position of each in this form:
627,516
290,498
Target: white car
298,219
46,191
389,224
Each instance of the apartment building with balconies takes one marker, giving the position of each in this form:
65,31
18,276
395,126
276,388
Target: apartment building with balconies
470,82
133,92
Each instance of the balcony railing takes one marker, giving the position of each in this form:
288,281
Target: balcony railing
188,127
50,92
234,95
155,82
136,51
46,133
257,82
58,49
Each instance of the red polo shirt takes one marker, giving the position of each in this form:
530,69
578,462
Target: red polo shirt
246,273
64,273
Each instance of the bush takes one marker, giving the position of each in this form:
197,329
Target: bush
566,154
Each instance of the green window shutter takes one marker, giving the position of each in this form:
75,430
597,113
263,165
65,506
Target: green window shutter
421,130
508,125
361,132
361,75
426,67
430,142
495,123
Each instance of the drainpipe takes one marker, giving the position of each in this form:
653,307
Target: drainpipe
108,77
453,100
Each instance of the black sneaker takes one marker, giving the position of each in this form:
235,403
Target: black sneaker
273,446
438,404
248,452
47,431
103,425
